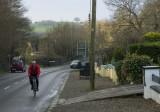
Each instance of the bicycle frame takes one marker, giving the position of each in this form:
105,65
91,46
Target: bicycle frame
34,86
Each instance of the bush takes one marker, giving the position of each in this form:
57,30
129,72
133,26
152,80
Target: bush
152,37
118,54
150,49
121,78
132,67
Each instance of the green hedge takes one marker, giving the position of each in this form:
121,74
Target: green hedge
132,67
151,37
150,49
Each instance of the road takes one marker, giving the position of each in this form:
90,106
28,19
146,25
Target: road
16,94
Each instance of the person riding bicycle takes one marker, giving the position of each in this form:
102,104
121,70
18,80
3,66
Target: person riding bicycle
34,71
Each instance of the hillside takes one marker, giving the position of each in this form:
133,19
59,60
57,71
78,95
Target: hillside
39,28
42,26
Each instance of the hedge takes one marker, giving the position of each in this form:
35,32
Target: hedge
151,37
150,49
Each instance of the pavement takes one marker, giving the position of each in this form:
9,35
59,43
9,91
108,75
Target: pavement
75,96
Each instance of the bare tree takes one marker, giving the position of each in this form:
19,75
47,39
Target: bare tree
127,13
151,13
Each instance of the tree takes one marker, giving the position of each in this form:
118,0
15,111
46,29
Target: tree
127,13
13,29
151,13
77,19
60,42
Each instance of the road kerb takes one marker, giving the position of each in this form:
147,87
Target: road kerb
56,98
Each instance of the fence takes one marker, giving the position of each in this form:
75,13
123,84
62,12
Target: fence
106,71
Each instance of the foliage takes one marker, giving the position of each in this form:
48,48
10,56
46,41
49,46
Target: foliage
14,29
28,52
121,78
118,54
60,42
108,55
131,20
149,49
132,67
152,37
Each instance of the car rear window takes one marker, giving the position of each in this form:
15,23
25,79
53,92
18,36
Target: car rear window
17,62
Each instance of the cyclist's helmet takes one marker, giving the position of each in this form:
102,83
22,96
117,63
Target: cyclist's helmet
33,63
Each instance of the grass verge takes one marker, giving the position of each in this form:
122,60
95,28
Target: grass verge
1,72
77,70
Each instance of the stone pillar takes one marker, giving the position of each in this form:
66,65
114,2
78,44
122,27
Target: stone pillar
147,79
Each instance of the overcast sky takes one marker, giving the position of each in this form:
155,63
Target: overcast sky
63,10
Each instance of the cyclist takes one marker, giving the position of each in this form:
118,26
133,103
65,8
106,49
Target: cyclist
34,71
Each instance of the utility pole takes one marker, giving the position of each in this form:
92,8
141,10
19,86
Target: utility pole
92,45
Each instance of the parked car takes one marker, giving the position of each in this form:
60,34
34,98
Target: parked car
76,64
17,65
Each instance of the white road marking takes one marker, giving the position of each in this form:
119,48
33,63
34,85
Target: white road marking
51,90
7,87
16,83
23,80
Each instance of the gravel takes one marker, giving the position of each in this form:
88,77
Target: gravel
76,87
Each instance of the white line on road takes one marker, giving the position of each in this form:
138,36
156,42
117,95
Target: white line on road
23,80
16,83
7,87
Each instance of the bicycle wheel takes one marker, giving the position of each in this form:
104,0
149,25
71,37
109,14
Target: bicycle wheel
34,88
34,93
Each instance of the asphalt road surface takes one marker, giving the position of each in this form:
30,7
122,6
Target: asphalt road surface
16,94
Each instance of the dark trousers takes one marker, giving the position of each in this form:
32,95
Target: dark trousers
37,81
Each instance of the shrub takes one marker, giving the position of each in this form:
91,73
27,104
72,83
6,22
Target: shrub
152,37
118,54
150,49
132,67
121,78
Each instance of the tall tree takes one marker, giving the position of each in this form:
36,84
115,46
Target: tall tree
13,29
127,13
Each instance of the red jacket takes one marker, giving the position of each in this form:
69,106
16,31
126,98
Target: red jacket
34,70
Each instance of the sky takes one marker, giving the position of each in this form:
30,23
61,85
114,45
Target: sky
63,10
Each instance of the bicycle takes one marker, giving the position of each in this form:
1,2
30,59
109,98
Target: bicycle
34,86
